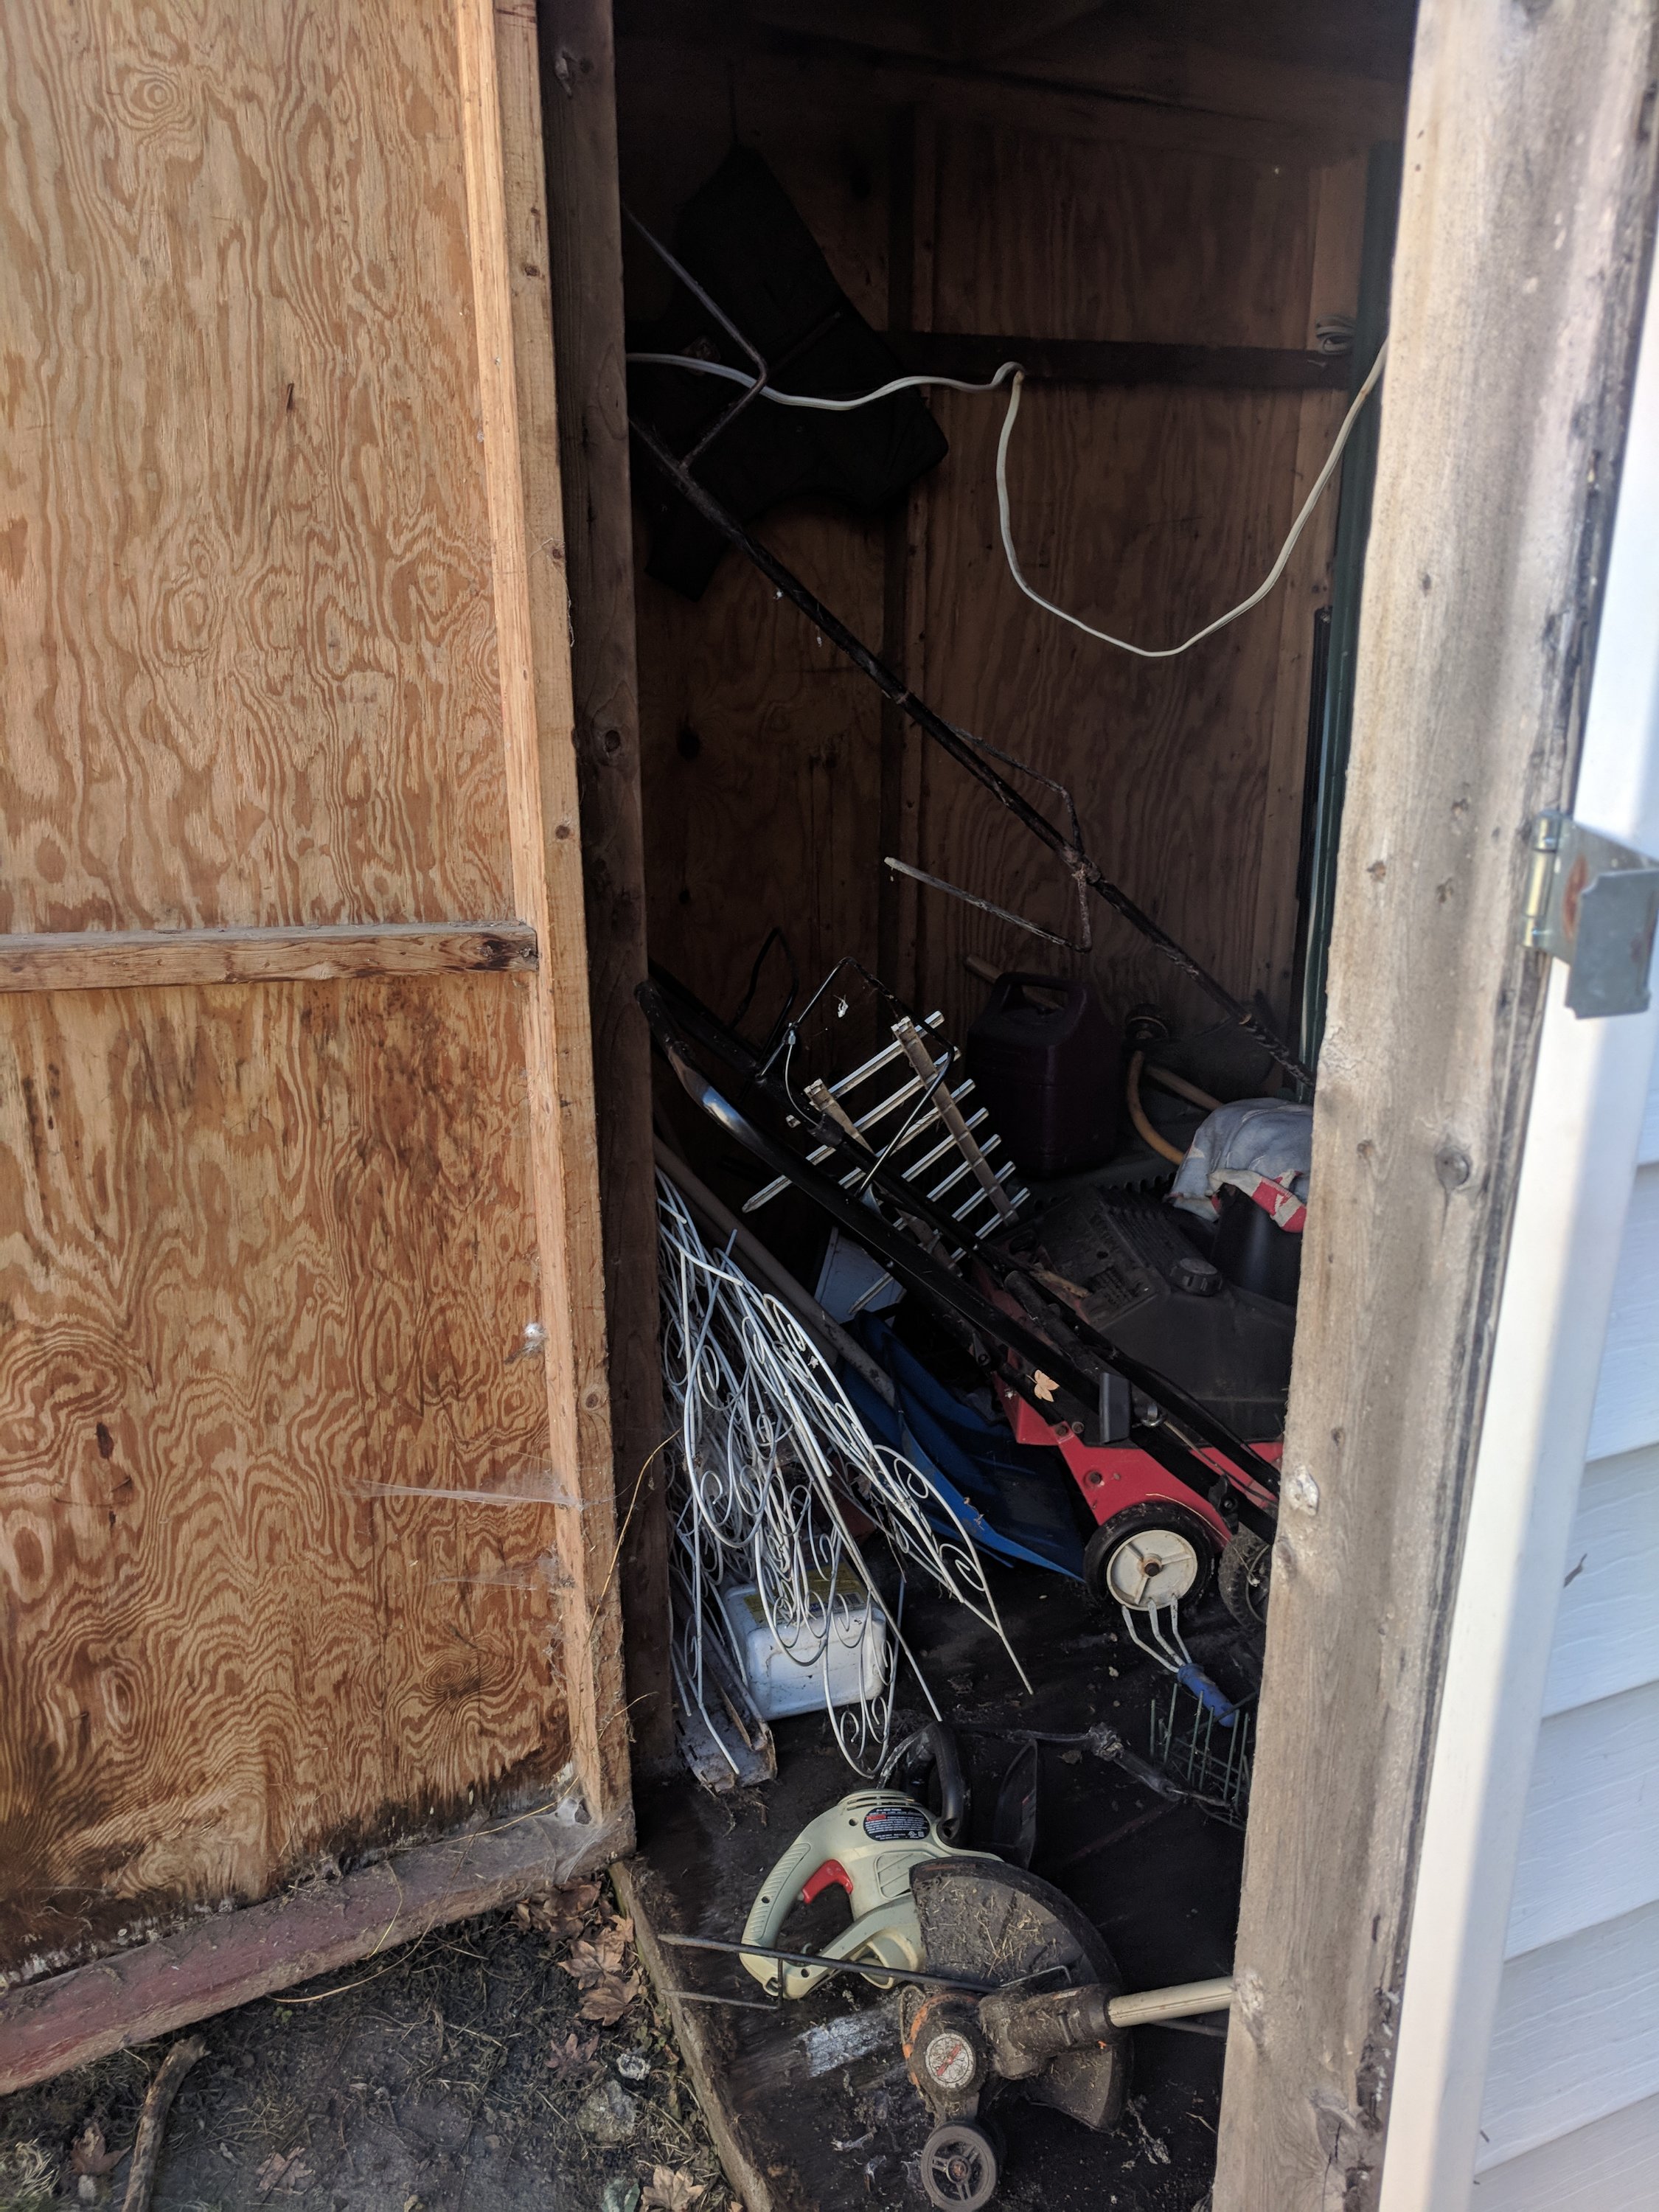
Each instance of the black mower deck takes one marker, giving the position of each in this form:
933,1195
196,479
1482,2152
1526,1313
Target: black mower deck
810,2103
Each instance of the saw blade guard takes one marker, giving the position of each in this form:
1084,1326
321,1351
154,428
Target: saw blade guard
985,1917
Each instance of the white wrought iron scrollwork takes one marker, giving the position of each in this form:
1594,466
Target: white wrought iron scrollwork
767,1454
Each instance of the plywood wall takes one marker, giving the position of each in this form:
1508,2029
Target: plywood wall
266,1251
1148,510
760,747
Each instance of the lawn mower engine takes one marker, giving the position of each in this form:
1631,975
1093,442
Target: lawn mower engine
1048,2027
1132,1272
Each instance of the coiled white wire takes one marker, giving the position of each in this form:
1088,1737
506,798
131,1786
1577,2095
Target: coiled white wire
1010,368
767,1440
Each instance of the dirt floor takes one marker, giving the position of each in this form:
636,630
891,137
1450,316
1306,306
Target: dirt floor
514,2060
815,2098
519,2061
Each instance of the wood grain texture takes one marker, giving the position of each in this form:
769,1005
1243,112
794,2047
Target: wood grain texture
1607,1625
232,1957
506,194
260,1248
1520,265
244,608
760,747
1158,506
123,959
585,252
1611,2165
1147,510
1577,2037
910,203
299,1546
1288,115
1337,217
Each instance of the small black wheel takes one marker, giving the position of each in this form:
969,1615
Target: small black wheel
959,2169
1242,1578
1156,1554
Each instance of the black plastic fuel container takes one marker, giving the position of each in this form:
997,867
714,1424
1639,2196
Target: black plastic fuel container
1047,1060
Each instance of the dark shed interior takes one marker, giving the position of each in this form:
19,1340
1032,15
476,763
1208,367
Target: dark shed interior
1188,178
1178,221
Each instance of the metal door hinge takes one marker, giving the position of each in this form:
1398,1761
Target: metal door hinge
1593,904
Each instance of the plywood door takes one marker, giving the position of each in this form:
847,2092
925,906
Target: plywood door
296,1553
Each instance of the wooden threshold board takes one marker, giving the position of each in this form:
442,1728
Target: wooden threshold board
228,1958
127,959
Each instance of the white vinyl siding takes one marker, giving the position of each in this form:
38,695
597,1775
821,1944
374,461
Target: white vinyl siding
1570,2117
1606,1633
1612,2162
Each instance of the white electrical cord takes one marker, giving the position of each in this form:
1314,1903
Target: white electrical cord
808,399
1170,652
1010,368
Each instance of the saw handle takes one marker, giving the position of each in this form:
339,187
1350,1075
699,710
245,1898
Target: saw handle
831,1875
933,1752
808,1856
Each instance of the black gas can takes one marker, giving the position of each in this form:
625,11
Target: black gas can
1048,1062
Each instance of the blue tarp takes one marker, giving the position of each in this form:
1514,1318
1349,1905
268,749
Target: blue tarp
1014,1499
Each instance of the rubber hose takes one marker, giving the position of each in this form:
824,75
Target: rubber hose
1167,1080
1138,1115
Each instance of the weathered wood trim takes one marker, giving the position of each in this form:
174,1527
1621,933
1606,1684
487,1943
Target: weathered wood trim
975,356
584,216
506,188
125,959
231,1958
694,2025
1525,225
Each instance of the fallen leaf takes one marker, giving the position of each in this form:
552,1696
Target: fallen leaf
585,1965
566,1911
90,2155
571,2056
609,1999
610,1947
289,2172
670,2189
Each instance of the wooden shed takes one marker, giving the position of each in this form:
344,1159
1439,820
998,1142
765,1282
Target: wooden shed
354,763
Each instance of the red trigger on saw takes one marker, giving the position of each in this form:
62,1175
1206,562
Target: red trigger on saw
830,1872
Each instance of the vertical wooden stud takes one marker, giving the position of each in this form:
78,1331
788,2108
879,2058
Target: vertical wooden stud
506,202
1338,216
584,216
900,918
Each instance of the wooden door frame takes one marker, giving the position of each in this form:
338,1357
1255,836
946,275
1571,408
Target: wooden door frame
1521,269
